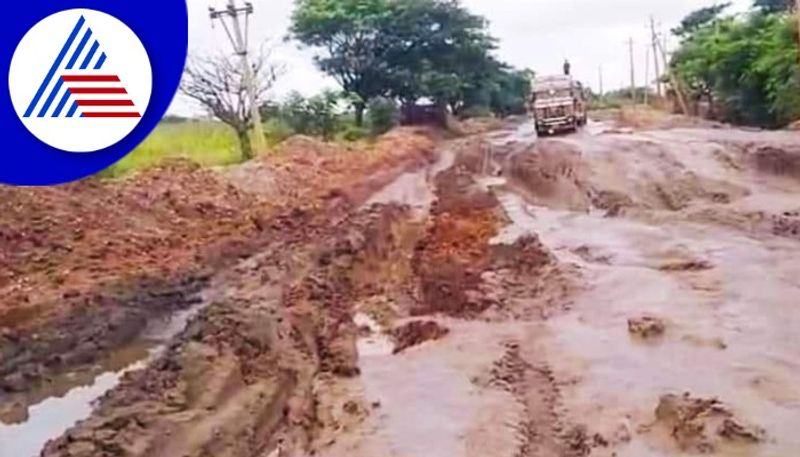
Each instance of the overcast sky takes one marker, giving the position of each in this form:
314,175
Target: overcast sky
536,34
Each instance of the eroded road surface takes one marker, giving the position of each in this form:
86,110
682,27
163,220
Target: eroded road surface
612,292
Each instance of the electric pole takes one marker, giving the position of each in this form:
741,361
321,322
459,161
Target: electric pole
647,74
654,37
239,41
600,74
633,72
675,82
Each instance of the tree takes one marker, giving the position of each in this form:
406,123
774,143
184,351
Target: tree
348,34
746,66
440,50
774,6
697,19
219,85
405,50
315,115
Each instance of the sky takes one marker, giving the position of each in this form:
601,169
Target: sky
535,34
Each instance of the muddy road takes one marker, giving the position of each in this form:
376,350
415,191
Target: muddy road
613,292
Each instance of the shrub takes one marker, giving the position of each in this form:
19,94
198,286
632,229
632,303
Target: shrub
382,115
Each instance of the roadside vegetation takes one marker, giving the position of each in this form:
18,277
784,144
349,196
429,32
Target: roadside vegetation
743,67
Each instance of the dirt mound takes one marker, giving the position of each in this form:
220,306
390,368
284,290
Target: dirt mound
415,333
686,265
677,191
772,160
453,254
552,174
700,425
647,327
85,266
787,224
304,168
245,374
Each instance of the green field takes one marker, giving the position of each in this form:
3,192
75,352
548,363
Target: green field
206,142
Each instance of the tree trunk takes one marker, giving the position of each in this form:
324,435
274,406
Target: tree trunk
360,107
244,144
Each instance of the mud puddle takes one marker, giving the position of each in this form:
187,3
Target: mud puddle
71,397
729,326
377,342
414,189
428,400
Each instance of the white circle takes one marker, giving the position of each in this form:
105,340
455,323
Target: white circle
104,114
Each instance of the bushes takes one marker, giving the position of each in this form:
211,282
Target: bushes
746,65
383,114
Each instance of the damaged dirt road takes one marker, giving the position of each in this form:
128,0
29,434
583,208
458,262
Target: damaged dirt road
613,292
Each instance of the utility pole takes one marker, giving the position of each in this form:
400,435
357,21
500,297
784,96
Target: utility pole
654,38
600,74
647,74
239,41
675,82
633,72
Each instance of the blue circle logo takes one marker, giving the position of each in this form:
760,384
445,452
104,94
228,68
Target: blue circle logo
86,84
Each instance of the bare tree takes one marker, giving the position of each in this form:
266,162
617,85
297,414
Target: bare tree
220,85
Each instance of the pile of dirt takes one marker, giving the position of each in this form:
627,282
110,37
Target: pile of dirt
84,267
787,224
242,378
777,161
59,242
686,265
645,117
303,168
415,333
700,425
455,251
647,327
552,174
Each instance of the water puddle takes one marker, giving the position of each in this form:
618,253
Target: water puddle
377,343
415,189
429,401
730,329
71,398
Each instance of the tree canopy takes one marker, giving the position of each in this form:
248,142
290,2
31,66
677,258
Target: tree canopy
407,50
746,65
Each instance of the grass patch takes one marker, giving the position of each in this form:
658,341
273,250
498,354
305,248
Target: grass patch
207,143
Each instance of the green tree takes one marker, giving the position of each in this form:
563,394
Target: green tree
405,50
317,115
747,66
700,18
348,34
774,6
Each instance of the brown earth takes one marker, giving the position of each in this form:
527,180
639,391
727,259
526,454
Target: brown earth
86,266
521,276
415,333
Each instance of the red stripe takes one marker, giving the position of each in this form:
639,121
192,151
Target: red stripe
98,90
90,78
104,102
112,115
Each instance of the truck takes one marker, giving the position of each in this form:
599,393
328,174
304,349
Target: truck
557,104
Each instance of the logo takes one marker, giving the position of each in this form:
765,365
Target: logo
80,80
88,80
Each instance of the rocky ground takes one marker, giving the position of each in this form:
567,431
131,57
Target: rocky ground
627,290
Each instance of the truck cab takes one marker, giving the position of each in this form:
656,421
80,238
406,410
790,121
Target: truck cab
557,104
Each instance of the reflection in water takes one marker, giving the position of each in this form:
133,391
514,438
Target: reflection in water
70,398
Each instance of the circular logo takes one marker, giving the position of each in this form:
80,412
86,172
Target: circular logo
80,80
